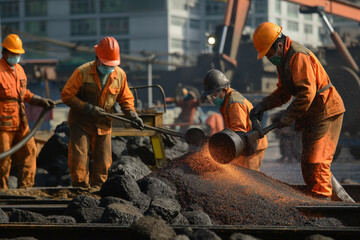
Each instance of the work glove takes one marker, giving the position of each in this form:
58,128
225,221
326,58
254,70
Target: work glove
257,111
95,111
42,102
282,120
256,125
136,121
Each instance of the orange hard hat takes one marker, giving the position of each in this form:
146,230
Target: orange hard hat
108,51
264,37
13,43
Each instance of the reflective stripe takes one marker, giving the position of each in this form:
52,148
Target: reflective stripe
324,88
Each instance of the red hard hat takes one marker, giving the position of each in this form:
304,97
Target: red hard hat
108,51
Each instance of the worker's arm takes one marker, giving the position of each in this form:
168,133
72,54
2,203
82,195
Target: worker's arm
277,98
305,83
125,97
238,117
71,89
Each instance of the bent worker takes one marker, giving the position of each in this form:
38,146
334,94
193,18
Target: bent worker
91,92
317,107
13,123
235,109
188,103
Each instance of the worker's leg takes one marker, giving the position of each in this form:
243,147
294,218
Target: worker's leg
6,139
78,159
25,160
319,145
102,159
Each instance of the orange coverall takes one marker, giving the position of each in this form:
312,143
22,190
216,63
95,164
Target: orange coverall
87,133
235,111
14,126
317,108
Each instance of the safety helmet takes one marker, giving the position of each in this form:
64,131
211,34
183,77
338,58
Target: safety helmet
13,43
264,37
214,80
108,51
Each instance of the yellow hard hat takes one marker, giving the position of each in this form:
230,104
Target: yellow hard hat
13,43
264,37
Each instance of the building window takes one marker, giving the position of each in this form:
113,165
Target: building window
215,7
260,6
35,8
293,26
293,10
11,25
82,6
116,6
278,21
36,27
210,26
115,25
83,27
308,16
194,24
111,6
178,21
278,6
194,46
308,29
259,21
178,43
124,45
9,9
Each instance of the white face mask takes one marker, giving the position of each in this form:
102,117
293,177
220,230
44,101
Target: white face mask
12,60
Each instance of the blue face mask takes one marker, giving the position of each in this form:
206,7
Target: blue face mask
12,60
218,101
105,69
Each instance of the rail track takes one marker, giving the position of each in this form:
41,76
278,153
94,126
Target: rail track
348,215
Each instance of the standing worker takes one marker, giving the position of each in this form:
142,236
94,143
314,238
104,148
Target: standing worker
13,123
235,109
91,92
317,107
188,103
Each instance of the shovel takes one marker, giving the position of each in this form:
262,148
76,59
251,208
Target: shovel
193,136
227,145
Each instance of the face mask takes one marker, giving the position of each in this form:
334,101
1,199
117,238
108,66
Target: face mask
276,60
218,101
105,69
12,60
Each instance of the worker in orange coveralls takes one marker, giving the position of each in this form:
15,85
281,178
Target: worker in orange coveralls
91,92
235,109
317,107
13,123
188,103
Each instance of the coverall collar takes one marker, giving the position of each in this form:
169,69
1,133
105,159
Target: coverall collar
287,46
96,76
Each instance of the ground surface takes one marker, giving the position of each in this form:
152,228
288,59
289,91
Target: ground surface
344,167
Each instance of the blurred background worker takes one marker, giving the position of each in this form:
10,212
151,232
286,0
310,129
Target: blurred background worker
13,123
188,101
90,92
317,107
235,109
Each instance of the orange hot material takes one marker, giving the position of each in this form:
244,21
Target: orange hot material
216,123
24,159
78,160
12,89
319,145
235,111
